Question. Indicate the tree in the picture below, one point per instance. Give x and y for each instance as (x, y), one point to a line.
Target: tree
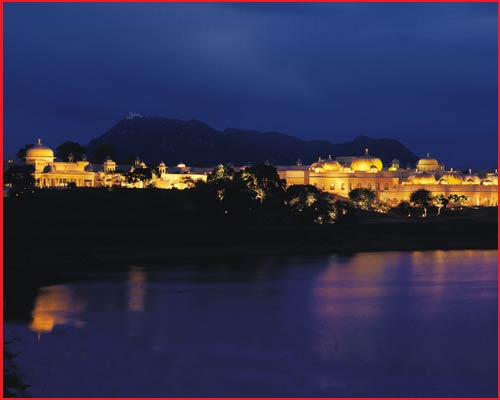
(362, 197)
(220, 173)
(21, 153)
(403, 208)
(310, 204)
(345, 211)
(102, 151)
(260, 181)
(422, 198)
(65, 149)
(458, 198)
(144, 175)
(188, 181)
(441, 201)
(20, 178)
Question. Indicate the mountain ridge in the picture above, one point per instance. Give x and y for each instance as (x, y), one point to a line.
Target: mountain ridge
(194, 142)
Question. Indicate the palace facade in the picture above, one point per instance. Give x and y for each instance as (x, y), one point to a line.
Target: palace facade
(52, 173)
(339, 176)
(392, 184)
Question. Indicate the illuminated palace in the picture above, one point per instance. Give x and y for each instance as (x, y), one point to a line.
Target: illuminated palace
(337, 176)
(52, 173)
(393, 184)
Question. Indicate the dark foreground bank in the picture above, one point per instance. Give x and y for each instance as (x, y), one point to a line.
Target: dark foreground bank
(90, 232)
(94, 229)
(74, 248)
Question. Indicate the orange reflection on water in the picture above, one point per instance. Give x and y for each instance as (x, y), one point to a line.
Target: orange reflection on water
(435, 274)
(345, 290)
(429, 275)
(136, 290)
(55, 305)
(357, 280)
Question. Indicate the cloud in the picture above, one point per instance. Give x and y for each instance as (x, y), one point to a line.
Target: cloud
(314, 70)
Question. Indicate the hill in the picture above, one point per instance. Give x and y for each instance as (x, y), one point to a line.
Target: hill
(195, 143)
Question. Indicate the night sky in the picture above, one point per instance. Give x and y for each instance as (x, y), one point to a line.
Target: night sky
(425, 74)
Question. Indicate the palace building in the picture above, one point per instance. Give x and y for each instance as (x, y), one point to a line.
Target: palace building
(339, 176)
(52, 173)
(392, 184)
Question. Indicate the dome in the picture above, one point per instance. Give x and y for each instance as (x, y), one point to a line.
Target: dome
(40, 152)
(451, 178)
(471, 179)
(394, 165)
(428, 164)
(422, 179)
(317, 166)
(491, 179)
(330, 165)
(366, 162)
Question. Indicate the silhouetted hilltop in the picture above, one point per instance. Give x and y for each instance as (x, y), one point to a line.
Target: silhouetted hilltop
(195, 143)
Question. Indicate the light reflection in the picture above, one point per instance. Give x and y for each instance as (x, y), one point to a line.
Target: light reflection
(55, 305)
(343, 291)
(348, 300)
(429, 276)
(437, 274)
(136, 290)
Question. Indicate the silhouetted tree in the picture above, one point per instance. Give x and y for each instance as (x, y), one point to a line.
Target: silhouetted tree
(67, 148)
(441, 201)
(403, 208)
(102, 151)
(310, 204)
(362, 197)
(21, 153)
(144, 175)
(345, 211)
(458, 198)
(422, 198)
(20, 178)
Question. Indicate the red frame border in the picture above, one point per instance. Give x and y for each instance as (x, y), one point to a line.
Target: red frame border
(236, 1)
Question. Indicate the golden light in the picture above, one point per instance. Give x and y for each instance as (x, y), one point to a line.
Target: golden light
(55, 305)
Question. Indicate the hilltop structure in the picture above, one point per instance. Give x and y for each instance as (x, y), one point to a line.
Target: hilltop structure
(337, 176)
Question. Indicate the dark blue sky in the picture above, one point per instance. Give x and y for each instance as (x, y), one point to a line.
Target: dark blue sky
(425, 74)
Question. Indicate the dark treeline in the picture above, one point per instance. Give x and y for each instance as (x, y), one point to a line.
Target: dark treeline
(233, 213)
(255, 195)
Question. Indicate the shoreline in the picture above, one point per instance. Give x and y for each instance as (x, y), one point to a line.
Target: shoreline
(195, 243)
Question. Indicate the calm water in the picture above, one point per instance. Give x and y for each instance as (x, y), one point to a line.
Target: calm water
(385, 324)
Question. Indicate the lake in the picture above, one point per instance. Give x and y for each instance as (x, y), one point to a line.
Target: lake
(406, 324)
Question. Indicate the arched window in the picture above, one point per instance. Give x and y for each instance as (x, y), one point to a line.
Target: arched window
(332, 186)
(342, 186)
(386, 186)
(358, 185)
(378, 186)
(369, 186)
